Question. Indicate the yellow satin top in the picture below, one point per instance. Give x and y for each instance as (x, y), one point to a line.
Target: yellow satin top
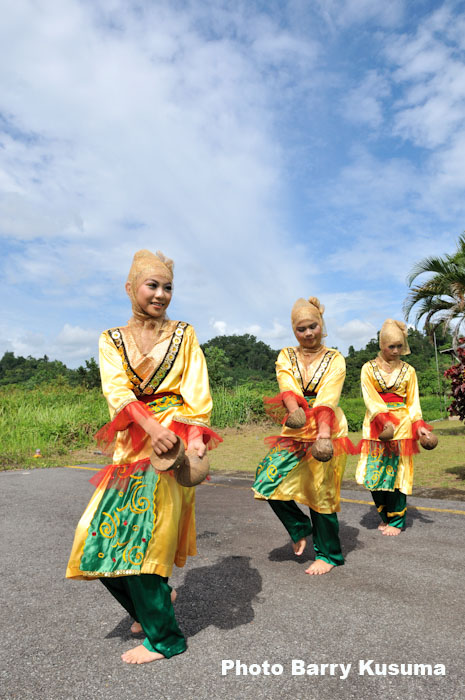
(403, 382)
(325, 377)
(175, 364)
(312, 483)
(127, 373)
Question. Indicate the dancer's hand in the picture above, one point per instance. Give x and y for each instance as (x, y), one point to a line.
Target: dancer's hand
(324, 432)
(198, 445)
(161, 438)
(423, 432)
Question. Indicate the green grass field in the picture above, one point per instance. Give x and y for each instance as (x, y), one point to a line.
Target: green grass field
(61, 422)
(441, 470)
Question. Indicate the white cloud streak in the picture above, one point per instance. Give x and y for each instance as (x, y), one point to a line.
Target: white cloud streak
(237, 140)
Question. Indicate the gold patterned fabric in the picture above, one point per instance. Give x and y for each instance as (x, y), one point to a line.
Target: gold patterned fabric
(183, 372)
(175, 368)
(312, 483)
(402, 382)
(323, 377)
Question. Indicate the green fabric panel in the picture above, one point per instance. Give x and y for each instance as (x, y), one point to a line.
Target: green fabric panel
(277, 464)
(122, 526)
(381, 468)
(326, 541)
(294, 520)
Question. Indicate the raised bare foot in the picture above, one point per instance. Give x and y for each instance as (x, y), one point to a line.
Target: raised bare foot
(136, 627)
(141, 655)
(299, 546)
(319, 567)
(391, 531)
(381, 526)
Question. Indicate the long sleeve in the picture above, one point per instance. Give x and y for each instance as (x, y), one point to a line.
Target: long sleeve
(373, 402)
(115, 382)
(284, 374)
(413, 397)
(195, 388)
(330, 387)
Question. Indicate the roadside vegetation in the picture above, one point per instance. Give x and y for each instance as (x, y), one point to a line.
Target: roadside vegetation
(47, 407)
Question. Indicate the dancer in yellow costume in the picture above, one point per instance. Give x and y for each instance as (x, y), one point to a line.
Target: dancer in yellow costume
(310, 378)
(393, 423)
(140, 521)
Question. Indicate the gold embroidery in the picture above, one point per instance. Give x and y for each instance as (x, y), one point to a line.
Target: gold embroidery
(319, 372)
(399, 512)
(108, 530)
(110, 574)
(161, 372)
(271, 471)
(142, 504)
(138, 556)
(188, 421)
(380, 379)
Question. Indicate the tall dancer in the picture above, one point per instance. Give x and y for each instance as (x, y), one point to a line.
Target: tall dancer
(141, 521)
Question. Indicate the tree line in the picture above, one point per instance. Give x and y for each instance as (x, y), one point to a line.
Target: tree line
(239, 359)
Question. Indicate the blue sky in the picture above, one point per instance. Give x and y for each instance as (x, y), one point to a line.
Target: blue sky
(272, 149)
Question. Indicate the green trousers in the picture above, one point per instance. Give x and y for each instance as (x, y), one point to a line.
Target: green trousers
(391, 506)
(323, 526)
(147, 598)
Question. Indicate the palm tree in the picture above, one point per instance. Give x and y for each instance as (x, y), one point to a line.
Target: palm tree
(440, 300)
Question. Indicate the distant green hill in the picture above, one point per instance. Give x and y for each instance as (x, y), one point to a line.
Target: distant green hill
(235, 360)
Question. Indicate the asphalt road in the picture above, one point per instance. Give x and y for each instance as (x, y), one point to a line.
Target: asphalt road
(243, 602)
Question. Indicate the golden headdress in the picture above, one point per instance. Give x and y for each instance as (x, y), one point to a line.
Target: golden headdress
(393, 332)
(306, 310)
(145, 265)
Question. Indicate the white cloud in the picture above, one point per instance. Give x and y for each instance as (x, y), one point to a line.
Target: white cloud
(430, 73)
(73, 344)
(219, 327)
(126, 130)
(277, 332)
(356, 332)
(349, 12)
(364, 103)
(215, 132)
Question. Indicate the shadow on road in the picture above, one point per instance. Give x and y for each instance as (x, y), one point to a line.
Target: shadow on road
(349, 541)
(370, 520)
(220, 595)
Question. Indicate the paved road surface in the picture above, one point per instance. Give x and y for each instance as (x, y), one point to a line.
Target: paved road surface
(244, 598)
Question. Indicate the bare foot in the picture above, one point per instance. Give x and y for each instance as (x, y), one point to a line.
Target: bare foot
(136, 627)
(299, 546)
(319, 567)
(391, 531)
(381, 526)
(141, 655)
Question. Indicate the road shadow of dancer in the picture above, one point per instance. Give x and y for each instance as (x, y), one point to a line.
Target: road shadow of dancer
(347, 534)
(220, 595)
(370, 520)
